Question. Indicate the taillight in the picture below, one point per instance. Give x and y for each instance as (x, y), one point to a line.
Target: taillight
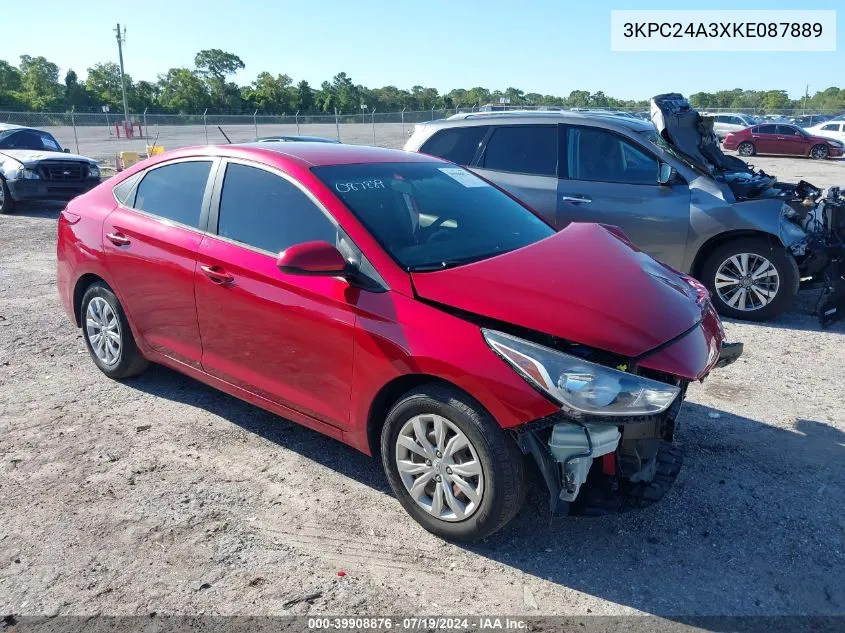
(70, 218)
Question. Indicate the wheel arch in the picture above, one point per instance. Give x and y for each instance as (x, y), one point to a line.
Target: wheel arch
(722, 238)
(82, 284)
(390, 393)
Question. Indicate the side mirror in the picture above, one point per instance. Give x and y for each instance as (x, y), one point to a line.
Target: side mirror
(312, 258)
(666, 174)
(66, 150)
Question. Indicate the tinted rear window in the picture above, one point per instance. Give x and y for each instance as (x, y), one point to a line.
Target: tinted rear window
(174, 192)
(457, 144)
(523, 149)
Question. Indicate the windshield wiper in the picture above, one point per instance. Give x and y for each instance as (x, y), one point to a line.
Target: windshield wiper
(451, 263)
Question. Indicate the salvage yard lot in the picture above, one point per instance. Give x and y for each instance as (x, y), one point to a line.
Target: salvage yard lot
(163, 495)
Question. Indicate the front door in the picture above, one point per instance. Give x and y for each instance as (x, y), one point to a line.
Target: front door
(286, 338)
(151, 245)
(791, 141)
(610, 179)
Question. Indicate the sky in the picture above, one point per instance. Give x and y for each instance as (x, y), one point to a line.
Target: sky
(545, 46)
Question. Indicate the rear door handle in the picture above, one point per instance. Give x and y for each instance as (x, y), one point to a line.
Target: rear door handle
(577, 199)
(118, 239)
(216, 275)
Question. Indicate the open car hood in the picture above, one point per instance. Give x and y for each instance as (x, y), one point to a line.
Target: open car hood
(680, 125)
(586, 284)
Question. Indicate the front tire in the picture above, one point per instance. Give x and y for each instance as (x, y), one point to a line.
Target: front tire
(7, 204)
(107, 335)
(753, 279)
(819, 152)
(746, 148)
(453, 469)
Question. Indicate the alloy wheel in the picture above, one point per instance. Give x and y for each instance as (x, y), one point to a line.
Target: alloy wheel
(746, 149)
(2, 195)
(439, 467)
(103, 329)
(819, 152)
(747, 281)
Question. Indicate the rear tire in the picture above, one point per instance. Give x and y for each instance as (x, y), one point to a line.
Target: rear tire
(107, 335)
(819, 152)
(757, 278)
(746, 148)
(499, 484)
(7, 204)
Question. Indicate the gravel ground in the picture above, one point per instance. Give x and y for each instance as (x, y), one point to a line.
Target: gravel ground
(160, 494)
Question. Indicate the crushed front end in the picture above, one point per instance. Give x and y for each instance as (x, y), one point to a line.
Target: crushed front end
(812, 223)
(610, 447)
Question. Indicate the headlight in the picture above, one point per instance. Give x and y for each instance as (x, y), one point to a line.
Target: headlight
(29, 174)
(93, 171)
(579, 384)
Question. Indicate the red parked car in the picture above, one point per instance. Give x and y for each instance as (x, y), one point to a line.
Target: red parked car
(403, 305)
(781, 138)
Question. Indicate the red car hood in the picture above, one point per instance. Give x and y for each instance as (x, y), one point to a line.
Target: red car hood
(585, 284)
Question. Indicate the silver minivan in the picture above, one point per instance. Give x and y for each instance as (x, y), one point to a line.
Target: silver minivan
(736, 231)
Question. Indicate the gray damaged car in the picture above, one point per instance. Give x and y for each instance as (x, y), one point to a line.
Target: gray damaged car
(34, 167)
(751, 239)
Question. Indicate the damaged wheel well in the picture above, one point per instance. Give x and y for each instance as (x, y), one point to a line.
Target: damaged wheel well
(717, 240)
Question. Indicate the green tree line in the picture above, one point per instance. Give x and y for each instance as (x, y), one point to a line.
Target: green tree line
(34, 85)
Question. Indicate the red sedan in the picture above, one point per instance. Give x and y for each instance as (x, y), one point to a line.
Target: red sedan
(784, 139)
(400, 304)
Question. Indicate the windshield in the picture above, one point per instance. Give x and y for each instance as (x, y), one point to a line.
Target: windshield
(655, 138)
(430, 216)
(28, 139)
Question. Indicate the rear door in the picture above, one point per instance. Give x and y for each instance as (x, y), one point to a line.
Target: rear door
(611, 179)
(791, 141)
(287, 338)
(765, 139)
(151, 242)
(523, 159)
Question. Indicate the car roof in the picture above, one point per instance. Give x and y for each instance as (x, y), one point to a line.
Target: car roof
(12, 126)
(527, 117)
(318, 154)
(295, 138)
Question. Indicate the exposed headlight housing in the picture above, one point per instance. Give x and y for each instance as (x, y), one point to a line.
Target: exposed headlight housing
(28, 174)
(579, 386)
(93, 171)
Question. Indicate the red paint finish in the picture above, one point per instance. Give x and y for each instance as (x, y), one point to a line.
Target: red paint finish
(152, 264)
(319, 350)
(311, 258)
(787, 140)
(286, 338)
(628, 305)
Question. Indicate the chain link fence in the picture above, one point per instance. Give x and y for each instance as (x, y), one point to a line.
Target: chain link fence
(103, 136)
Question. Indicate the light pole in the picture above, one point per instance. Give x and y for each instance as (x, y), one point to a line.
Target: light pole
(121, 38)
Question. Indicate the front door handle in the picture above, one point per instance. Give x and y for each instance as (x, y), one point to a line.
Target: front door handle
(118, 239)
(576, 199)
(217, 275)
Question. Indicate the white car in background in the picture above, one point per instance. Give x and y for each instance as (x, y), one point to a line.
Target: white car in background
(726, 122)
(831, 129)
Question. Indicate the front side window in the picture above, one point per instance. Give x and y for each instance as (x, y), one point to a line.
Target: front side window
(523, 149)
(265, 211)
(832, 127)
(457, 144)
(174, 192)
(598, 155)
(429, 216)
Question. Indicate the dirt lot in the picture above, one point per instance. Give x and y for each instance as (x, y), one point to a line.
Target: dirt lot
(160, 494)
